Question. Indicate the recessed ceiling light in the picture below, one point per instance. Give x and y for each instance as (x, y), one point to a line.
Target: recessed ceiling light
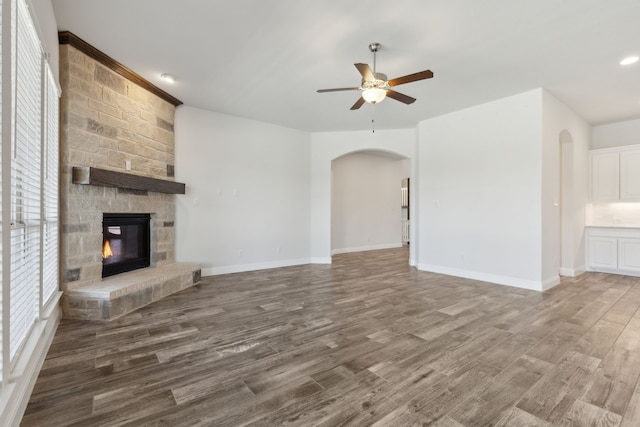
(629, 60)
(168, 77)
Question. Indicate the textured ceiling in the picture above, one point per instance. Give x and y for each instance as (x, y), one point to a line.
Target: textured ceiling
(264, 60)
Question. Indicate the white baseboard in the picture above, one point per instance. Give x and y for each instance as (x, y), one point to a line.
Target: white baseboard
(366, 248)
(614, 271)
(567, 272)
(485, 277)
(15, 396)
(240, 268)
(579, 270)
(550, 282)
(573, 272)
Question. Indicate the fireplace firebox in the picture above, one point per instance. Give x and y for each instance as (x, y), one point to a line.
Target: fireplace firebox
(125, 242)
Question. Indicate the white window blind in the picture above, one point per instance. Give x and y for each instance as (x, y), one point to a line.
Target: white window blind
(25, 181)
(50, 187)
(1, 274)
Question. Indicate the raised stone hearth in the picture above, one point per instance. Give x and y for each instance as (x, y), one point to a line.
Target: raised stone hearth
(118, 295)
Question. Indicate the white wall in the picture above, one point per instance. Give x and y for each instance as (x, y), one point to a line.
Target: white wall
(366, 202)
(328, 146)
(570, 202)
(616, 134)
(479, 192)
(484, 190)
(248, 186)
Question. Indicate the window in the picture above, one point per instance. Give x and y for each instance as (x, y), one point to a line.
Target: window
(50, 188)
(29, 186)
(25, 180)
(2, 138)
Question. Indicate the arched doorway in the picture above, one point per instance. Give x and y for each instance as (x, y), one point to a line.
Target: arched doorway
(566, 204)
(366, 211)
(325, 147)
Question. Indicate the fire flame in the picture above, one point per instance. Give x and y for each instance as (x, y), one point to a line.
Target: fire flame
(106, 250)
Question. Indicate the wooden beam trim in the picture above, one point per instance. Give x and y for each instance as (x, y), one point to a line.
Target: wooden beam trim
(67, 37)
(107, 178)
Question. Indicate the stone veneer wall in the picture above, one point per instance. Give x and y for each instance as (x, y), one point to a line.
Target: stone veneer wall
(105, 121)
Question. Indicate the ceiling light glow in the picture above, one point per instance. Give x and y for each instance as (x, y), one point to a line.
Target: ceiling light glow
(374, 95)
(168, 77)
(629, 60)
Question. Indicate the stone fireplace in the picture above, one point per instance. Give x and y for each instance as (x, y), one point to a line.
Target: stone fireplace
(112, 120)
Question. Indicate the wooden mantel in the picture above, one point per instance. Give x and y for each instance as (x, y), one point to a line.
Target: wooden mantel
(87, 175)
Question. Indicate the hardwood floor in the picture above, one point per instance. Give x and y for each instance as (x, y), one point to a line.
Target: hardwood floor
(365, 341)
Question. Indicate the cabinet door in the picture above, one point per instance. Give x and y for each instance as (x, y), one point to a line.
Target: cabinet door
(629, 254)
(605, 177)
(603, 252)
(630, 175)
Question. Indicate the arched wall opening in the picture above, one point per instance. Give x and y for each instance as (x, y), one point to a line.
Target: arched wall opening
(326, 147)
(366, 211)
(566, 239)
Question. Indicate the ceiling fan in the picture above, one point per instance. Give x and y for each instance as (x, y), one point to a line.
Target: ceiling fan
(375, 86)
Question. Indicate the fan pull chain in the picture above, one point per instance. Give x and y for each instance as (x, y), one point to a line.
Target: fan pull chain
(373, 121)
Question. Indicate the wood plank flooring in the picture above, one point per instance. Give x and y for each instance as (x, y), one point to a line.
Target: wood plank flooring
(367, 340)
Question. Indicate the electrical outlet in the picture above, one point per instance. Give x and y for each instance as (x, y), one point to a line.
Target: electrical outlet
(127, 165)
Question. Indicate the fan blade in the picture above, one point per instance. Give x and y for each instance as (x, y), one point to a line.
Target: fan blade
(400, 97)
(427, 74)
(337, 89)
(358, 103)
(366, 72)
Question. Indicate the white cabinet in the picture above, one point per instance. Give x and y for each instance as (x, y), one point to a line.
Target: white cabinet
(615, 174)
(614, 250)
(605, 176)
(629, 254)
(630, 175)
(603, 252)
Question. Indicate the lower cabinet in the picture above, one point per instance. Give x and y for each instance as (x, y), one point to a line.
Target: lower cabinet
(614, 250)
(629, 255)
(603, 252)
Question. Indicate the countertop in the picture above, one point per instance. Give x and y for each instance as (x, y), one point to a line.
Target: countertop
(614, 226)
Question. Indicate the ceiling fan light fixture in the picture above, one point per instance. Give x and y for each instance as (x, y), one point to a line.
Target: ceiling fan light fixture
(375, 86)
(374, 95)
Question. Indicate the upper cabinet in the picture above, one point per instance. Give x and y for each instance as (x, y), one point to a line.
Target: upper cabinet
(615, 174)
(605, 177)
(630, 175)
